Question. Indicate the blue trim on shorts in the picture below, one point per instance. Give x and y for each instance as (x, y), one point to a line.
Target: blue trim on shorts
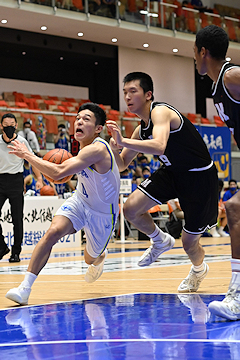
(113, 226)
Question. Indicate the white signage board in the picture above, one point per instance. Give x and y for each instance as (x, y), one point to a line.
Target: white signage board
(125, 186)
(37, 216)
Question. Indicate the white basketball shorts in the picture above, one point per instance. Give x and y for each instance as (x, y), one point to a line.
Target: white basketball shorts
(98, 227)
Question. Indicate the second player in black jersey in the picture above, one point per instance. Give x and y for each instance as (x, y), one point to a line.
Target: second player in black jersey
(185, 148)
(227, 106)
(210, 51)
(188, 174)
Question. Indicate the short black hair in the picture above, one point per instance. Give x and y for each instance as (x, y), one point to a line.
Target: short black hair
(143, 157)
(146, 168)
(232, 180)
(99, 113)
(27, 122)
(145, 81)
(214, 39)
(61, 126)
(8, 115)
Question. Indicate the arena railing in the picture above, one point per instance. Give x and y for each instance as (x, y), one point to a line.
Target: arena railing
(148, 13)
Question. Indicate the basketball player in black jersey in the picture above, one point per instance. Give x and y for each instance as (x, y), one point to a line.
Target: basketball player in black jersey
(210, 51)
(187, 173)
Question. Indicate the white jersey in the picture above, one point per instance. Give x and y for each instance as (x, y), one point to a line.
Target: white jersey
(10, 163)
(100, 191)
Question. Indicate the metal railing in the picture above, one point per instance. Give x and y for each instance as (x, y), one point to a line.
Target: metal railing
(149, 14)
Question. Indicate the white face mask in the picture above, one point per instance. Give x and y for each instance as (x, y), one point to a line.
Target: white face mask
(26, 131)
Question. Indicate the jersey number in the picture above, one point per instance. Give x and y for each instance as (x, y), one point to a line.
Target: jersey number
(84, 191)
(165, 160)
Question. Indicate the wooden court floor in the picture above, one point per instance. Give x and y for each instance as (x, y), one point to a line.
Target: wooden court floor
(157, 278)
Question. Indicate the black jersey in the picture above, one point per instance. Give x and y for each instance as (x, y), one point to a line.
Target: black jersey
(185, 150)
(228, 108)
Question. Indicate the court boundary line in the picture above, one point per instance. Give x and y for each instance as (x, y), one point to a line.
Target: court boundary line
(116, 341)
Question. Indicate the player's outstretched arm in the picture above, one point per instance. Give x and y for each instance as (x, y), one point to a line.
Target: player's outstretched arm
(124, 157)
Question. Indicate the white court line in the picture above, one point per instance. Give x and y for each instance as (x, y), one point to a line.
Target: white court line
(118, 280)
(76, 267)
(119, 341)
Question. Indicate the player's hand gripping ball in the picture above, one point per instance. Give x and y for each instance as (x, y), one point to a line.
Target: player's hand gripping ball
(57, 156)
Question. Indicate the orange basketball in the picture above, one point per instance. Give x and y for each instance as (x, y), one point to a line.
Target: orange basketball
(57, 156)
(47, 190)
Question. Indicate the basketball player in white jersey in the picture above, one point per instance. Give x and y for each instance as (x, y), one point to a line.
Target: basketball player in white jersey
(187, 173)
(94, 206)
(210, 51)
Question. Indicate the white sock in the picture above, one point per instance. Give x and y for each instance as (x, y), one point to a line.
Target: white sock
(29, 279)
(199, 268)
(158, 235)
(221, 228)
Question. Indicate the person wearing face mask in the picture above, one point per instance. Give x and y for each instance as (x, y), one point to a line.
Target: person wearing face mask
(146, 173)
(232, 190)
(154, 163)
(61, 140)
(11, 184)
(31, 137)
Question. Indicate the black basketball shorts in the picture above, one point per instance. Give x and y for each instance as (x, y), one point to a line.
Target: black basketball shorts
(197, 192)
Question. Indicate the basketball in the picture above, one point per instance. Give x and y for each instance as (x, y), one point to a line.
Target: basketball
(57, 156)
(47, 190)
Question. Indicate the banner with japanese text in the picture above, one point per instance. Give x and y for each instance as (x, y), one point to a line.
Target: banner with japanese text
(37, 217)
(218, 141)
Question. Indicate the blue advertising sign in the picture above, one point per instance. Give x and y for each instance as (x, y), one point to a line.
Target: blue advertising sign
(218, 141)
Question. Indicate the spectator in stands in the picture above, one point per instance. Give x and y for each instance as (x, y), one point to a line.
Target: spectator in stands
(30, 184)
(181, 18)
(30, 136)
(11, 185)
(61, 140)
(108, 8)
(142, 161)
(61, 189)
(154, 163)
(146, 173)
(198, 5)
(132, 168)
(125, 174)
(232, 190)
(139, 155)
(27, 169)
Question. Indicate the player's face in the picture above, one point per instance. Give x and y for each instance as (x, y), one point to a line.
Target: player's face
(85, 125)
(134, 96)
(199, 61)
